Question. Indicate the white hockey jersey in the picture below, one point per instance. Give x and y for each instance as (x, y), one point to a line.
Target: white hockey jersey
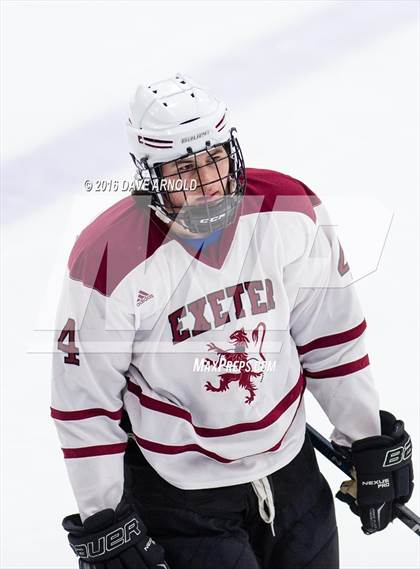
(209, 351)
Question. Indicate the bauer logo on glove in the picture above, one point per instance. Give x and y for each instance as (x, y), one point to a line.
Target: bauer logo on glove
(109, 542)
(399, 454)
(111, 539)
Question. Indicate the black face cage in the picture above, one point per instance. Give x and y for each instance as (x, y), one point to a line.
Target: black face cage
(203, 215)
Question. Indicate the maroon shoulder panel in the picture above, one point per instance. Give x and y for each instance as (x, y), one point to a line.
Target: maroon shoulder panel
(114, 244)
(274, 191)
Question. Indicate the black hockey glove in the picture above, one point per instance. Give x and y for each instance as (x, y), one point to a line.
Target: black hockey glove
(383, 475)
(113, 540)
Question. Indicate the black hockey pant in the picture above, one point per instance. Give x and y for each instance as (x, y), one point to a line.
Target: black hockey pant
(221, 528)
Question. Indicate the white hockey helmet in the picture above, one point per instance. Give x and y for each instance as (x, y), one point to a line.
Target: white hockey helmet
(170, 120)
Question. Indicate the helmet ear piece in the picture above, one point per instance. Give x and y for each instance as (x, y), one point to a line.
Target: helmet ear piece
(158, 170)
(233, 151)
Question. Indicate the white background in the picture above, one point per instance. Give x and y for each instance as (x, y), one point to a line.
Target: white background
(324, 91)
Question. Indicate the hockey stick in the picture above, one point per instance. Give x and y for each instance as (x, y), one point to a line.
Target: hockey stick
(324, 446)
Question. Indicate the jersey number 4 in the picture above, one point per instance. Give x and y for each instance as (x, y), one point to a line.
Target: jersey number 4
(70, 348)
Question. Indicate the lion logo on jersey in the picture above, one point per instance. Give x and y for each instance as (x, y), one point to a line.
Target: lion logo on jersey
(236, 358)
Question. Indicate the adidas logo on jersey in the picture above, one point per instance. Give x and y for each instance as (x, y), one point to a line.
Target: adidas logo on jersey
(142, 297)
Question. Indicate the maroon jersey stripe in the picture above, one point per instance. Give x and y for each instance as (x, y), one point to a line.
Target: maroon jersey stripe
(85, 414)
(338, 371)
(278, 445)
(177, 449)
(333, 339)
(269, 419)
(99, 450)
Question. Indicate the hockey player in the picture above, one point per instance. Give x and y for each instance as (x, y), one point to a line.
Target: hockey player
(194, 314)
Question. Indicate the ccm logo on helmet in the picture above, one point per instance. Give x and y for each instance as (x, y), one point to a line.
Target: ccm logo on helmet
(397, 455)
(108, 542)
(212, 219)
